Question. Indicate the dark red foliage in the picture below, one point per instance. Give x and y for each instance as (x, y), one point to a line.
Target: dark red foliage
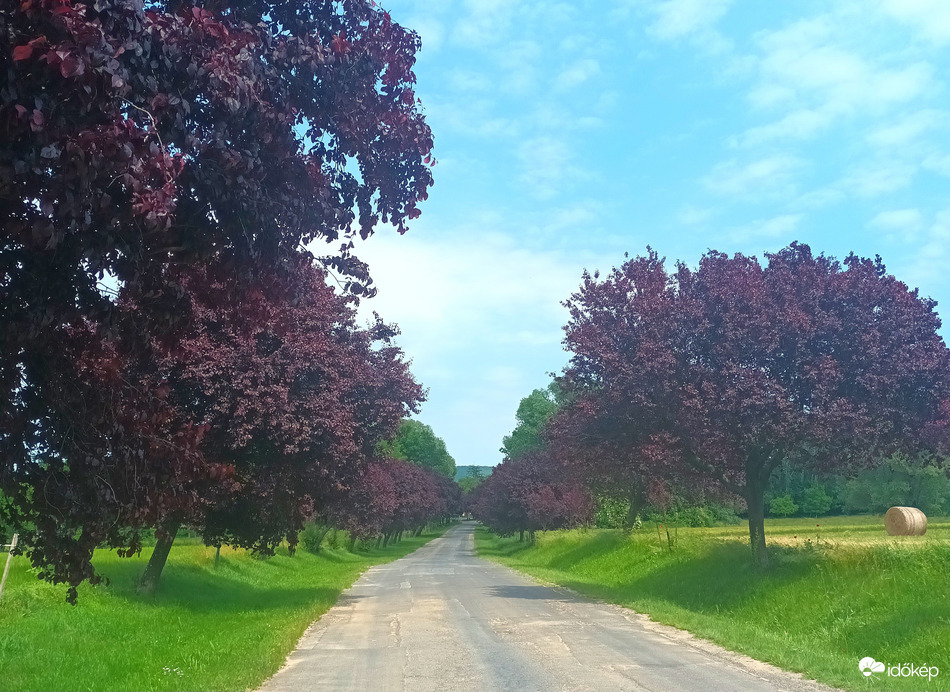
(394, 495)
(141, 139)
(729, 369)
(530, 493)
(260, 414)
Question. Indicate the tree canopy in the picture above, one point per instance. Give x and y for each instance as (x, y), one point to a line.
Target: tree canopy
(167, 351)
(418, 444)
(722, 372)
(533, 413)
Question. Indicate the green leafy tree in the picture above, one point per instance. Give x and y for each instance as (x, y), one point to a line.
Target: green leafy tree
(534, 411)
(916, 482)
(417, 443)
(816, 500)
(469, 483)
(782, 506)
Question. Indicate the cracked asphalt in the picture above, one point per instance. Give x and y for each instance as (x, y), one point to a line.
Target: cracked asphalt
(442, 619)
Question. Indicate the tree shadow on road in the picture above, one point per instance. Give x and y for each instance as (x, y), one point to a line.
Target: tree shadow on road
(534, 593)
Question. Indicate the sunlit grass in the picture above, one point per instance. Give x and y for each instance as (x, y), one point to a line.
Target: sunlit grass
(205, 629)
(839, 589)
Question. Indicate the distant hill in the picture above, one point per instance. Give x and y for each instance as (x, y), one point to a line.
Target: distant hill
(465, 471)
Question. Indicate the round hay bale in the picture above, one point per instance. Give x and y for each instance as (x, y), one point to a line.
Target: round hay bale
(905, 521)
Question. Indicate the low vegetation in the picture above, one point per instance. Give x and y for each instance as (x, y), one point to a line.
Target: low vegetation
(838, 590)
(207, 628)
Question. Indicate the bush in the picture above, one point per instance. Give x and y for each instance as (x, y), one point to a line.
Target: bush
(611, 513)
(311, 538)
(724, 514)
(692, 516)
(782, 506)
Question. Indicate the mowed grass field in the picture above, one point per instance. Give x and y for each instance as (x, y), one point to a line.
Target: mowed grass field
(205, 629)
(839, 590)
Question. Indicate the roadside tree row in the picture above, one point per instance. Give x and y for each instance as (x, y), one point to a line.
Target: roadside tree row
(171, 351)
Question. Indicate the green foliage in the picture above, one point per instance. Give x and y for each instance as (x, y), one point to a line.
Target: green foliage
(815, 500)
(477, 471)
(816, 611)
(690, 515)
(783, 506)
(921, 482)
(312, 536)
(469, 483)
(534, 411)
(417, 443)
(223, 629)
(611, 512)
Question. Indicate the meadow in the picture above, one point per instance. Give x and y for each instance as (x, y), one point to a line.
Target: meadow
(224, 628)
(838, 590)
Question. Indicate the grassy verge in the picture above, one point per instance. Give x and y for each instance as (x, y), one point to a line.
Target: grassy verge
(206, 629)
(839, 590)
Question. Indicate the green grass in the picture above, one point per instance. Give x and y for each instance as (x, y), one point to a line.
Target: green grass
(848, 592)
(205, 629)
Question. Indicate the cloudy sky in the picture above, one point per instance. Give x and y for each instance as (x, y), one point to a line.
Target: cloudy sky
(570, 133)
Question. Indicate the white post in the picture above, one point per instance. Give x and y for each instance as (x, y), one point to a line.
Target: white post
(6, 568)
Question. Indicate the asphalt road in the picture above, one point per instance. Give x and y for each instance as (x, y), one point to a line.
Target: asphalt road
(442, 619)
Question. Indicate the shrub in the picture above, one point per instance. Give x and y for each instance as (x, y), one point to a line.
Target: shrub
(783, 506)
(724, 514)
(611, 513)
(311, 538)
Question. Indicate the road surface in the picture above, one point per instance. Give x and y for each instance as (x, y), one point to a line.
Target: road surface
(441, 619)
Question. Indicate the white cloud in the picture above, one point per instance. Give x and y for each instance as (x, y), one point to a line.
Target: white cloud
(765, 175)
(678, 19)
(813, 71)
(474, 116)
(902, 132)
(576, 74)
(449, 293)
(879, 178)
(931, 18)
(938, 163)
(898, 224)
(801, 124)
(519, 63)
(693, 216)
(469, 81)
(779, 227)
(484, 22)
(546, 163)
(481, 318)
(930, 264)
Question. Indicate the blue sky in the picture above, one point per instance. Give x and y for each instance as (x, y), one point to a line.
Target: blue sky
(570, 133)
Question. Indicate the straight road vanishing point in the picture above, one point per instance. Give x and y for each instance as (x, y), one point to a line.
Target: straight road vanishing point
(442, 619)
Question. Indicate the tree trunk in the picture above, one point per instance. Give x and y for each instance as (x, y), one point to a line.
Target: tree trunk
(352, 543)
(755, 500)
(164, 537)
(531, 536)
(521, 536)
(637, 502)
